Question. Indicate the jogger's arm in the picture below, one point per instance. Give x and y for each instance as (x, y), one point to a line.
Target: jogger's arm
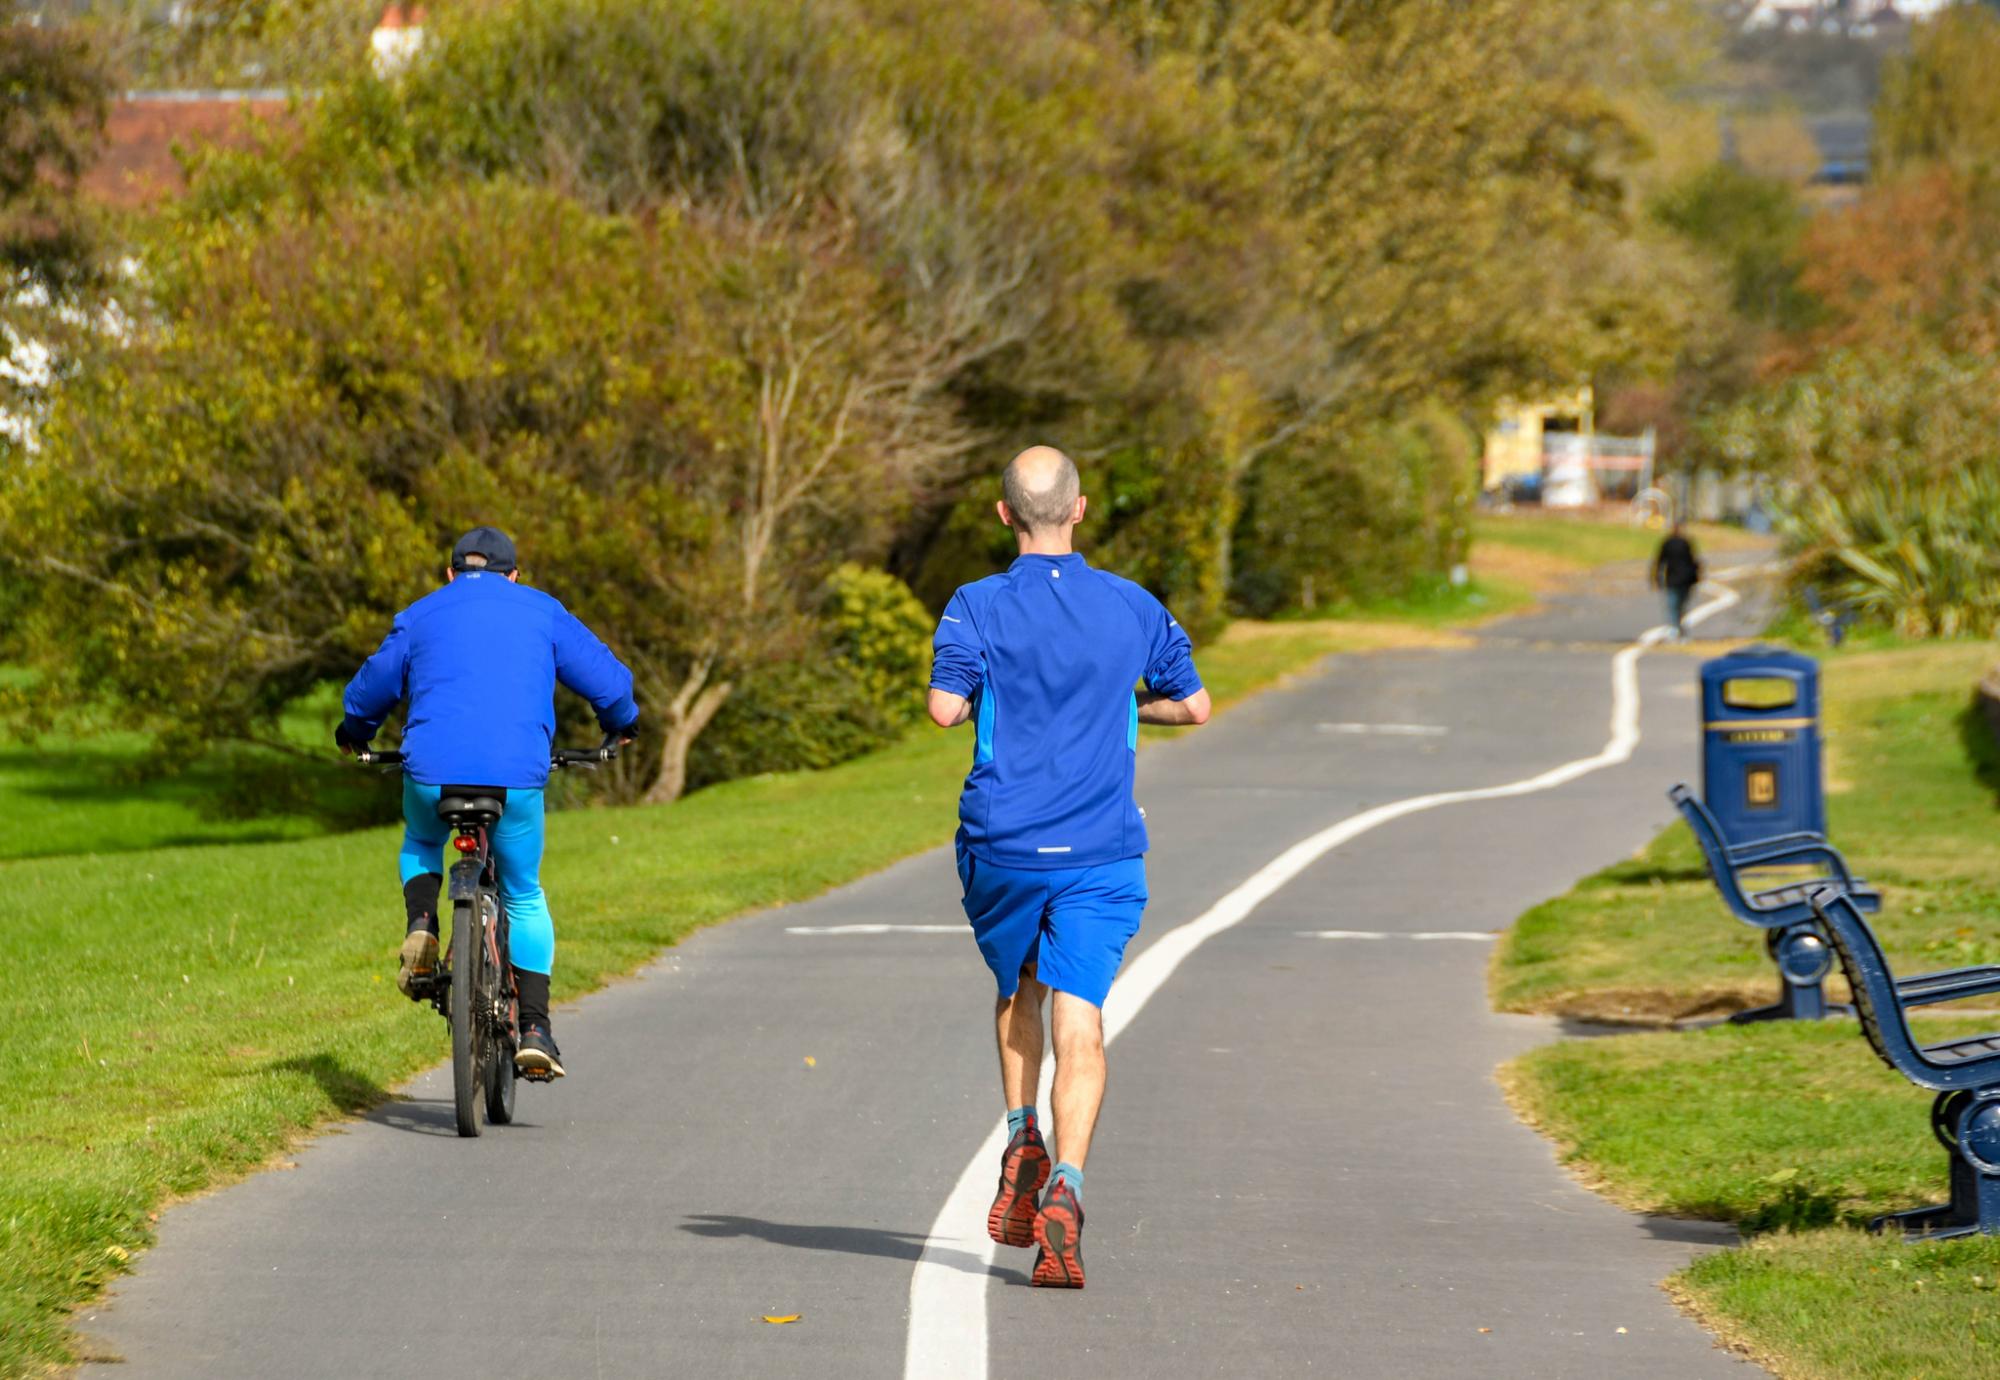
(949, 710)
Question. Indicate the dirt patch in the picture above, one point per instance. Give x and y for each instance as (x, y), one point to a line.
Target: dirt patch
(1537, 571)
(1657, 1008)
(1348, 634)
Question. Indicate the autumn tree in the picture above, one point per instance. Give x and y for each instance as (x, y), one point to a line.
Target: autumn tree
(51, 120)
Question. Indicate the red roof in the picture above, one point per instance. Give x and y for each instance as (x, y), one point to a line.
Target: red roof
(138, 165)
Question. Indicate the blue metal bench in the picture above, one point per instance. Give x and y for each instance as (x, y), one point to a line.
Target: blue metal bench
(1965, 1073)
(1833, 619)
(1793, 936)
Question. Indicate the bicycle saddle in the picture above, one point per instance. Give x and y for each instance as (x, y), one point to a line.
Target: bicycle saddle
(471, 805)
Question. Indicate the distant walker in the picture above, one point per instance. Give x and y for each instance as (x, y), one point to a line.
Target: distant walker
(1677, 571)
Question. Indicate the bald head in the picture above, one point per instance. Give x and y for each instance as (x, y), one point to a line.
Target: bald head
(1040, 487)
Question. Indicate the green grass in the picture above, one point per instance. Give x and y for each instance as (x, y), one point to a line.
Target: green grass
(1858, 1307)
(1912, 803)
(1798, 1125)
(1799, 1133)
(184, 1011)
(1794, 1132)
(102, 793)
(1433, 603)
(1586, 541)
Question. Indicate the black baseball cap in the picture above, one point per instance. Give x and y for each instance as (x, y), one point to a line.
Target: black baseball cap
(490, 542)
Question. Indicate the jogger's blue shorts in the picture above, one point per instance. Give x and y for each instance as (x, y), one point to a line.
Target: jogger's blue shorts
(1072, 925)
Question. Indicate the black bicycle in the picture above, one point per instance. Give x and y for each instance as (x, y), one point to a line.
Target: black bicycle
(472, 986)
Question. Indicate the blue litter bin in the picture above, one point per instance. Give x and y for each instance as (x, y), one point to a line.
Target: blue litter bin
(1760, 759)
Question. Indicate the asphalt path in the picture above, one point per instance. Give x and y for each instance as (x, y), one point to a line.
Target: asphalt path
(1304, 1165)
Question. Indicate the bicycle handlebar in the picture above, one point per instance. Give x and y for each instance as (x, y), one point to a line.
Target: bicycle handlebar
(558, 759)
(586, 757)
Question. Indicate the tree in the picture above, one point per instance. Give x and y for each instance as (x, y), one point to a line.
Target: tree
(1065, 234)
(53, 94)
(235, 500)
(1939, 103)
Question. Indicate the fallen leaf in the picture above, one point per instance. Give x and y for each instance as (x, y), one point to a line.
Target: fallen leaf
(1621, 1331)
(811, 1062)
(781, 1317)
(1485, 1329)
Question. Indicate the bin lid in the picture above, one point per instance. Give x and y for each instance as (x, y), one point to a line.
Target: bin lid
(1759, 662)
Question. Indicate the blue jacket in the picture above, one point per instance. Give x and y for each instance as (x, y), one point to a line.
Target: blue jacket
(1050, 652)
(478, 661)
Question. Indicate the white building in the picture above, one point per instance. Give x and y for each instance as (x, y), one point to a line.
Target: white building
(1798, 16)
(398, 36)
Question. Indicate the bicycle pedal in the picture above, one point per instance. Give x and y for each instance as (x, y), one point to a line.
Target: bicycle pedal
(535, 1075)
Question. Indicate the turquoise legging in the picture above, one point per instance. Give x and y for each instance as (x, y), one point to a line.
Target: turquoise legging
(517, 855)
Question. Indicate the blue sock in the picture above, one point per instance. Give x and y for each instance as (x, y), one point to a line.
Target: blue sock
(1066, 1170)
(1019, 1117)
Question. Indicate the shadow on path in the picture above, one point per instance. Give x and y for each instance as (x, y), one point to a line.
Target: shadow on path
(890, 1245)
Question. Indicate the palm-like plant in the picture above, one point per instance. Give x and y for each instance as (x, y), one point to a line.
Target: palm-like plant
(1918, 554)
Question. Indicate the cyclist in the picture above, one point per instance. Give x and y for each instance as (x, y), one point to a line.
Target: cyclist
(478, 661)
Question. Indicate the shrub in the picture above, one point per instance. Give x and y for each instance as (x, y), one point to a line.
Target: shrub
(855, 686)
(1365, 517)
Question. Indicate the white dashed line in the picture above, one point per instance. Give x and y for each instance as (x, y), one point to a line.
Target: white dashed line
(1478, 936)
(1387, 730)
(876, 929)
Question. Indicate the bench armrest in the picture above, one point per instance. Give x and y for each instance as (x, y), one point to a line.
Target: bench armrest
(1758, 845)
(1758, 855)
(1928, 989)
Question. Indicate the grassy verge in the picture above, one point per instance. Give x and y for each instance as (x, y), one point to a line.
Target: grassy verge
(1794, 1132)
(1797, 1134)
(1912, 778)
(1581, 542)
(189, 1009)
(68, 795)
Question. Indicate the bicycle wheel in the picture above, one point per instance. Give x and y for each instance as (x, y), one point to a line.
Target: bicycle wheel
(468, 1033)
(500, 1078)
(500, 1082)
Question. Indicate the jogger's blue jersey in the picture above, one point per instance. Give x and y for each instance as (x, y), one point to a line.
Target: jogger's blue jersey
(1050, 652)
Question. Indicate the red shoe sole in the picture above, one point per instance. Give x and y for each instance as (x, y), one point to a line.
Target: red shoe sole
(1059, 1234)
(1022, 1174)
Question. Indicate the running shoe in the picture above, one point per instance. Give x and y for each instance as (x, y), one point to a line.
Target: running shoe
(1059, 1232)
(1024, 1168)
(418, 962)
(538, 1059)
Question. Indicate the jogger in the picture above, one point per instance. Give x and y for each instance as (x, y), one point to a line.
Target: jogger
(1051, 845)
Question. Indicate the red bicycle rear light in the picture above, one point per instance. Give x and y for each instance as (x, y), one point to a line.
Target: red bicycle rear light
(466, 843)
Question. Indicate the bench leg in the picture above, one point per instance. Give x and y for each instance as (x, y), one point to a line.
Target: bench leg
(1804, 958)
(1974, 1208)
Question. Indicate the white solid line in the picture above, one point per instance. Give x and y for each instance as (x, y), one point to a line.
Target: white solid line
(1480, 935)
(875, 929)
(947, 1338)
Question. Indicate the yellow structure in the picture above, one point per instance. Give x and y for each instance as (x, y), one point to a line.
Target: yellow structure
(1516, 443)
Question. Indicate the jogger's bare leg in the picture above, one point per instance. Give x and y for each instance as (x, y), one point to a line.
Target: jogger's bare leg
(1079, 1090)
(1017, 1022)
